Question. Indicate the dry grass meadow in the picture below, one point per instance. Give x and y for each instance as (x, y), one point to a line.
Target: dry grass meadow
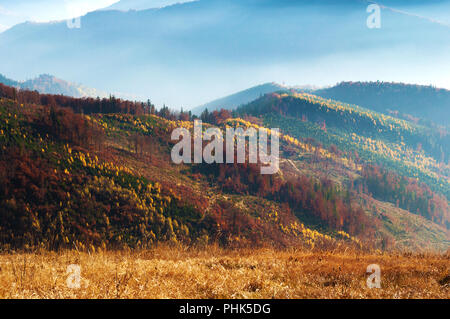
(166, 272)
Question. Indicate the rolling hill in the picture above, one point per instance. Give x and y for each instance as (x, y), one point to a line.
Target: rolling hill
(89, 172)
(424, 105)
(414, 150)
(422, 102)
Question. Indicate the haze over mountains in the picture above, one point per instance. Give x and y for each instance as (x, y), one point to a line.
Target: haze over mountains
(125, 5)
(424, 102)
(411, 102)
(48, 84)
(19, 11)
(124, 184)
(186, 54)
(231, 102)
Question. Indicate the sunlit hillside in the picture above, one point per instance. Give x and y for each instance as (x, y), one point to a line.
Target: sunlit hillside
(105, 179)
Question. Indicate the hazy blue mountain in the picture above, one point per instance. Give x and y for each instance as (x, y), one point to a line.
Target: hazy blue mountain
(425, 102)
(13, 12)
(126, 5)
(51, 85)
(185, 54)
(231, 102)
(4, 80)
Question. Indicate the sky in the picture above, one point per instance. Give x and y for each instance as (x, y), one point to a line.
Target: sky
(13, 12)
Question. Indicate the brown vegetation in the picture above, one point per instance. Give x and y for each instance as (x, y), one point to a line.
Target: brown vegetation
(210, 272)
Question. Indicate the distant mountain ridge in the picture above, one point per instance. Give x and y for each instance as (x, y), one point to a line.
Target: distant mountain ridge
(186, 54)
(235, 100)
(126, 5)
(416, 103)
(49, 84)
(424, 102)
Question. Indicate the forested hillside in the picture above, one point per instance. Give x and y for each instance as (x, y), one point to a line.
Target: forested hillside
(412, 150)
(97, 172)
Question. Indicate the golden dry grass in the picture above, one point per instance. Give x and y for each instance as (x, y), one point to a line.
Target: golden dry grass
(214, 273)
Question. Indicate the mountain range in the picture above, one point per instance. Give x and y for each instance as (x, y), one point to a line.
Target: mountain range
(418, 101)
(46, 83)
(126, 5)
(363, 165)
(412, 102)
(186, 54)
(98, 173)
